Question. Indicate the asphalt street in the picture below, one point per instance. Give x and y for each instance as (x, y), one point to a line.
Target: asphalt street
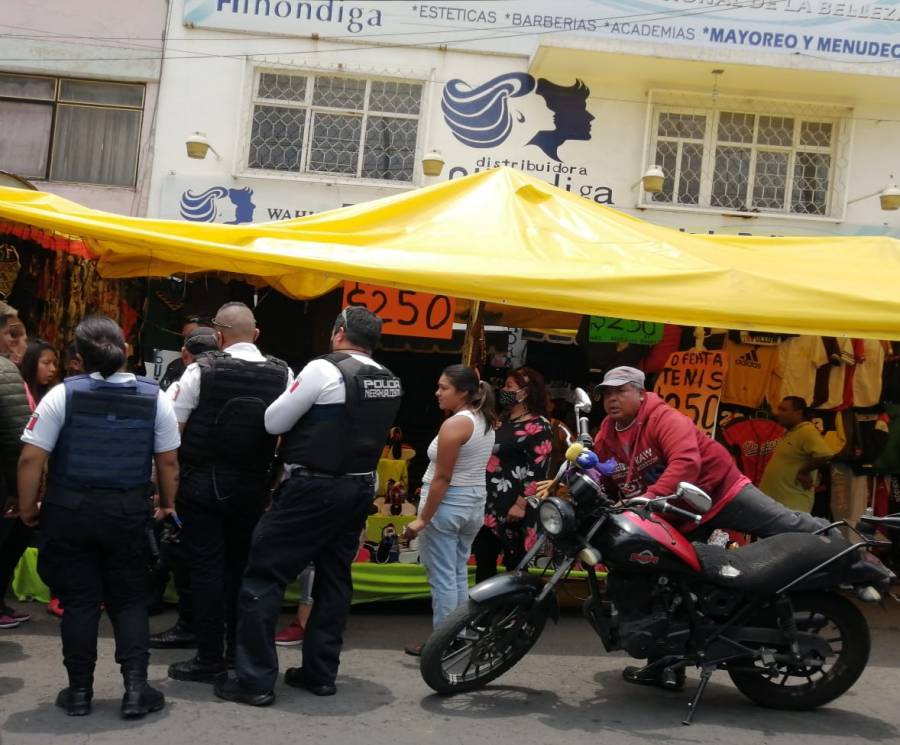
(566, 691)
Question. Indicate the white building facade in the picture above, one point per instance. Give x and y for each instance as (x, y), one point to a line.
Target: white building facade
(768, 117)
(78, 93)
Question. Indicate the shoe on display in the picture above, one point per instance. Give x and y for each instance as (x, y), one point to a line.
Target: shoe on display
(229, 688)
(290, 636)
(295, 677)
(177, 637)
(196, 670)
(20, 616)
(54, 608)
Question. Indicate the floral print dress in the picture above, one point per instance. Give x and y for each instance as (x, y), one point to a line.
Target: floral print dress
(521, 451)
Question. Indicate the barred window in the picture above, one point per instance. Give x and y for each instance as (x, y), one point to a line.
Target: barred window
(355, 127)
(745, 161)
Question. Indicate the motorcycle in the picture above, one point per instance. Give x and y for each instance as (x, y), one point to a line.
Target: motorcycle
(770, 613)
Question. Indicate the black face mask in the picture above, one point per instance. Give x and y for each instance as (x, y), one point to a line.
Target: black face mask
(507, 399)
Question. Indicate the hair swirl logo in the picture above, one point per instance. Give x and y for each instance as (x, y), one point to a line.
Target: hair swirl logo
(480, 116)
(218, 204)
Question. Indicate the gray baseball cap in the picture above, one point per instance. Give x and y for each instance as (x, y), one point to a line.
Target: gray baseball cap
(201, 339)
(622, 375)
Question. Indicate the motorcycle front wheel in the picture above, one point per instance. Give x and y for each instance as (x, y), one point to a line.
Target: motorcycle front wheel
(840, 624)
(479, 642)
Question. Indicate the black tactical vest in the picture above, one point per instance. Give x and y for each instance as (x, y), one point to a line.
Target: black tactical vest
(348, 437)
(105, 447)
(227, 429)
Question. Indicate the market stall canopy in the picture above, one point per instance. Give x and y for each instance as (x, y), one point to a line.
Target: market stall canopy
(505, 237)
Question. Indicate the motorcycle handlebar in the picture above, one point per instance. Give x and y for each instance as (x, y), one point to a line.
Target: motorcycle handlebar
(665, 507)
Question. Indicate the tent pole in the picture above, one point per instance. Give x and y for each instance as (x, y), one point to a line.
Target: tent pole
(473, 344)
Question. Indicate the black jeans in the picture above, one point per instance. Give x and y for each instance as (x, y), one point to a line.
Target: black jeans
(752, 511)
(487, 547)
(317, 520)
(91, 555)
(218, 518)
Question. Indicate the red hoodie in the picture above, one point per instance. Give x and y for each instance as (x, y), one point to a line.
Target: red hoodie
(667, 448)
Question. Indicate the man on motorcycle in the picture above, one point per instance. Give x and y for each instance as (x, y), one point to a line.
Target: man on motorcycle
(656, 447)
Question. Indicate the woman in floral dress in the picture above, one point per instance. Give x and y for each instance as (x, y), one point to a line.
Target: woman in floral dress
(519, 461)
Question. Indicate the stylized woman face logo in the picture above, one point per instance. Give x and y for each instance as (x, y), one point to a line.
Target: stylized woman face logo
(481, 116)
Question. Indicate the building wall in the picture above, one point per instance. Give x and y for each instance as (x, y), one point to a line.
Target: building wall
(97, 40)
(209, 89)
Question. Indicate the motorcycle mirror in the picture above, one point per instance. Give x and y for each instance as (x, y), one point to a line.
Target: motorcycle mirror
(694, 496)
(582, 401)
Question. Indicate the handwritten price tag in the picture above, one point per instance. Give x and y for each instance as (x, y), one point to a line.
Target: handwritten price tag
(404, 312)
(618, 329)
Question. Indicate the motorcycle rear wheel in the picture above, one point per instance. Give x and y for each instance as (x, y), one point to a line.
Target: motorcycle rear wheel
(798, 688)
(479, 642)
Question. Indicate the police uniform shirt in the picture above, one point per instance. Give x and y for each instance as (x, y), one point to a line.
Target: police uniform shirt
(320, 382)
(49, 417)
(185, 394)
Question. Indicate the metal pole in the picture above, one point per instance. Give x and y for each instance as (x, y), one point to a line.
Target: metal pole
(473, 344)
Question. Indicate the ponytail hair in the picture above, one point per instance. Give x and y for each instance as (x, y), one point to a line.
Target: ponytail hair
(101, 344)
(480, 393)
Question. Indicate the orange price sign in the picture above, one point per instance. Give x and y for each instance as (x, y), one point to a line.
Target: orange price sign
(405, 312)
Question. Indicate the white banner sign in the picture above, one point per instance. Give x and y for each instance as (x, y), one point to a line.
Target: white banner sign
(850, 31)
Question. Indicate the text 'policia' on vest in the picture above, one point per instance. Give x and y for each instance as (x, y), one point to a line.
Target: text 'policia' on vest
(227, 429)
(106, 444)
(347, 438)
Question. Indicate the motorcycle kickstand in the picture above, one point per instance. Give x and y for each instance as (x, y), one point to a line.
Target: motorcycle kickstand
(705, 675)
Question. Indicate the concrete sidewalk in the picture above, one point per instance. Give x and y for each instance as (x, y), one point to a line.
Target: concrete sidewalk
(566, 691)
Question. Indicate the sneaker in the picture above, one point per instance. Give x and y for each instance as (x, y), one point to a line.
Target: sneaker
(13, 613)
(8, 622)
(54, 608)
(291, 636)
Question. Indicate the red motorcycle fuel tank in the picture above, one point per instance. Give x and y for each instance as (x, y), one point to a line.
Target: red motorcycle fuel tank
(632, 541)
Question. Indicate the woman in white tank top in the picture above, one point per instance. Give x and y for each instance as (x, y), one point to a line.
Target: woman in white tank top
(451, 509)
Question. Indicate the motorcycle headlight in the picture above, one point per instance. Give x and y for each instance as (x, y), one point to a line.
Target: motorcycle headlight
(556, 516)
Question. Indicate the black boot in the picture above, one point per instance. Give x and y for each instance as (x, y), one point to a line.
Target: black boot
(139, 699)
(76, 698)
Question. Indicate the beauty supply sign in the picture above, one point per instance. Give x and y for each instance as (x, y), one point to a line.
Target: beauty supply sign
(845, 31)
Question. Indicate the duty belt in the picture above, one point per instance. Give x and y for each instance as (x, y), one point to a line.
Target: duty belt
(296, 471)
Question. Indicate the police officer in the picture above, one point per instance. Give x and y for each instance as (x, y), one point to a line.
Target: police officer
(226, 456)
(333, 422)
(101, 432)
(197, 340)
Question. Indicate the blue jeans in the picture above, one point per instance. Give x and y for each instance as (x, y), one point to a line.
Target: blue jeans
(445, 545)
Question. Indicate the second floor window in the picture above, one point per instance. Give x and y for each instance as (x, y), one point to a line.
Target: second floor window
(746, 161)
(351, 127)
(65, 129)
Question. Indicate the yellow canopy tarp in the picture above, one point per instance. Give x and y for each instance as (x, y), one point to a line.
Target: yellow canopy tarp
(505, 237)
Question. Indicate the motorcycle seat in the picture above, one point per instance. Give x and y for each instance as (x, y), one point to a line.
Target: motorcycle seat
(767, 565)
